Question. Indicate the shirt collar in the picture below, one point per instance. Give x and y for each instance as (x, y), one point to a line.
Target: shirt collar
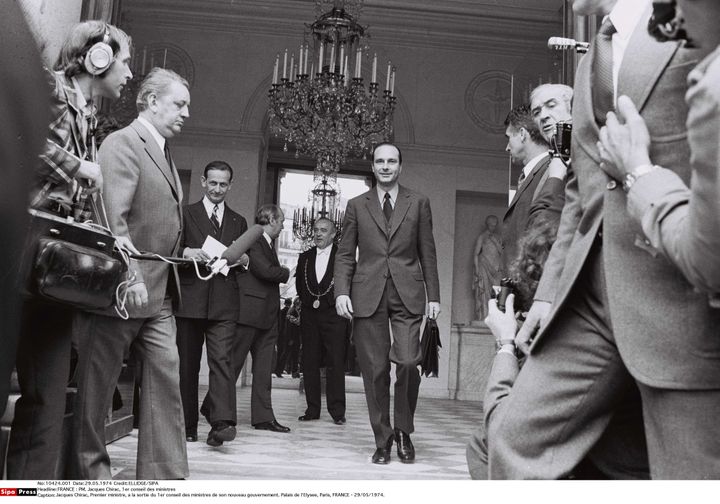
(325, 250)
(209, 205)
(154, 132)
(82, 104)
(393, 194)
(625, 16)
(267, 238)
(530, 165)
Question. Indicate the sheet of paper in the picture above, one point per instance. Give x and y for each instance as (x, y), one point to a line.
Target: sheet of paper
(214, 248)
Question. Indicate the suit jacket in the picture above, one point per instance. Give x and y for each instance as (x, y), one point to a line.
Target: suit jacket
(306, 269)
(260, 287)
(142, 196)
(217, 298)
(516, 218)
(664, 330)
(683, 222)
(405, 252)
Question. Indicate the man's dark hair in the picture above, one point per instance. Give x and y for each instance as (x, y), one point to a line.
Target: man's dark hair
(521, 117)
(392, 145)
(533, 250)
(267, 212)
(218, 165)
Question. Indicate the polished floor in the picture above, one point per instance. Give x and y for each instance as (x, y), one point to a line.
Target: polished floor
(320, 449)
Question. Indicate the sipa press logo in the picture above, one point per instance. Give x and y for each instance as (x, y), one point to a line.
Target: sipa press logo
(18, 492)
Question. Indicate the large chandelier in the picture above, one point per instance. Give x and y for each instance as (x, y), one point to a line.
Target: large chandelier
(324, 198)
(327, 112)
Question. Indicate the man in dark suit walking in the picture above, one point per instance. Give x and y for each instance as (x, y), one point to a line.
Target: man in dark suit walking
(388, 286)
(321, 326)
(259, 289)
(210, 309)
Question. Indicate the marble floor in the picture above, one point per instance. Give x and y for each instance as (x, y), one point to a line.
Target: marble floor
(320, 449)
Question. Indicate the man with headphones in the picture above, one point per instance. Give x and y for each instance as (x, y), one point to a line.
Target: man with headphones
(93, 62)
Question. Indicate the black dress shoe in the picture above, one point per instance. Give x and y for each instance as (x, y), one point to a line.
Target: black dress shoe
(273, 426)
(307, 418)
(221, 432)
(191, 435)
(405, 448)
(339, 421)
(382, 455)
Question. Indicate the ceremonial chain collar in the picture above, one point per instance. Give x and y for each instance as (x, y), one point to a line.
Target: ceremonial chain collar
(316, 303)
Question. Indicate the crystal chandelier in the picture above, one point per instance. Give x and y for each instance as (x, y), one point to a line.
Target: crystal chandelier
(324, 197)
(328, 113)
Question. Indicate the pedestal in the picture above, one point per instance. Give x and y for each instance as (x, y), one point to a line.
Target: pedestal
(472, 350)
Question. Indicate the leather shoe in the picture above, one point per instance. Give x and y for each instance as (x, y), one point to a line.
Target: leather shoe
(339, 421)
(273, 426)
(191, 435)
(405, 448)
(220, 432)
(382, 454)
(307, 418)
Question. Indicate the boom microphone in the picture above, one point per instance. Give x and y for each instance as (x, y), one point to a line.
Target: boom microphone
(563, 44)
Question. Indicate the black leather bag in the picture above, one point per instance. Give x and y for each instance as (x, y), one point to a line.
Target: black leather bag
(70, 263)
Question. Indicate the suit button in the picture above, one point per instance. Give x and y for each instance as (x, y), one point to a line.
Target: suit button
(611, 185)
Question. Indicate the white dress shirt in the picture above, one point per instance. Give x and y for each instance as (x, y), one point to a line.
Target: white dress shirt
(154, 132)
(392, 192)
(322, 257)
(624, 16)
(209, 205)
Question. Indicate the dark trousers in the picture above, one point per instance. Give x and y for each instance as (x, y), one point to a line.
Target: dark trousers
(324, 329)
(287, 359)
(260, 343)
(219, 338)
(376, 349)
(574, 383)
(43, 364)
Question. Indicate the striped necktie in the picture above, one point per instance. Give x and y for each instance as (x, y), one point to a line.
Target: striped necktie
(215, 221)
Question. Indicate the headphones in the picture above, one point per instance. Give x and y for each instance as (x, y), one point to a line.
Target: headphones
(100, 56)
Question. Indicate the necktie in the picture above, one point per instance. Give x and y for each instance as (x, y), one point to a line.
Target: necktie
(603, 89)
(215, 221)
(168, 158)
(387, 207)
(521, 179)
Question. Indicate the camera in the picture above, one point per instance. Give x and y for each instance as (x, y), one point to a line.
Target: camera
(560, 142)
(506, 288)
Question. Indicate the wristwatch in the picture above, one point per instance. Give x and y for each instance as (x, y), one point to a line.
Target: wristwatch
(502, 342)
(636, 173)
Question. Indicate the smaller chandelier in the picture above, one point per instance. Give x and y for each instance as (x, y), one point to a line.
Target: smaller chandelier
(328, 113)
(324, 196)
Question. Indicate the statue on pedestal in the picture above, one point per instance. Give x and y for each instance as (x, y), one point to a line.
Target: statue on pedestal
(487, 262)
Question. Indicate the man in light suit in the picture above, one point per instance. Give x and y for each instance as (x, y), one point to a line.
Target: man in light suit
(613, 312)
(142, 195)
(210, 308)
(259, 290)
(388, 286)
(681, 221)
(526, 145)
(320, 325)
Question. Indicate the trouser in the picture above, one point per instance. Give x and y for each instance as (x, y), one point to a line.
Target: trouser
(103, 341)
(219, 337)
(376, 349)
(323, 328)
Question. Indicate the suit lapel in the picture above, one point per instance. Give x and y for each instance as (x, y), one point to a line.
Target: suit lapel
(157, 157)
(646, 60)
(585, 132)
(402, 205)
(268, 251)
(528, 180)
(373, 205)
(199, 216)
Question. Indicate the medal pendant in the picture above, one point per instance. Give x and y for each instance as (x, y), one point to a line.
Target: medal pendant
(316, 304)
